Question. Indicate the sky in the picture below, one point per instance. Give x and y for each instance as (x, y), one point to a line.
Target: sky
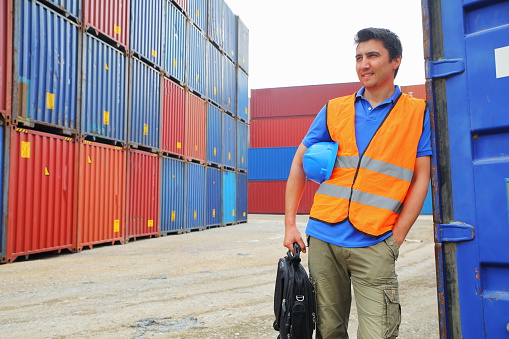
(310, 42)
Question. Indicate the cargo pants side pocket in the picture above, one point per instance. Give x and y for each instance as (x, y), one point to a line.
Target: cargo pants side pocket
(392, 313)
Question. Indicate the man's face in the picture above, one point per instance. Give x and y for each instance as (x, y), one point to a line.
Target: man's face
(373, 66)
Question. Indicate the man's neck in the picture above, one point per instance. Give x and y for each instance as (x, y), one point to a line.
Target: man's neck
(376, 96)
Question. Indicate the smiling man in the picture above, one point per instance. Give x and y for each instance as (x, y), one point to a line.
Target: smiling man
(363, 212)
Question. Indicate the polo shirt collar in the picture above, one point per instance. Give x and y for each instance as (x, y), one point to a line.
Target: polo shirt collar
(392, 99)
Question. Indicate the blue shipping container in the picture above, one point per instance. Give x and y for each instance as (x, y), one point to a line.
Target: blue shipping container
(104, 84)
(216, 22)
(213, 203)
(466, 46)
(230, 33)
(176, 40)
(242, 95)
(229, 140)
(270, 164)
(71, 7)
(172, 195)
(243, 46)
(241, 197)
(197, 65)
(229, 86)
(195, 196)
(228, 197)
(46, 48)
(427, 207)
(242, 145)
(214, 132)
(214, 74)
(145, 105)
(146, 30)
(198, 13)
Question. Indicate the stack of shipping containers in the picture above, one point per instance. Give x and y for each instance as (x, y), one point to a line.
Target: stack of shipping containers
(120, 119)
(280, 118)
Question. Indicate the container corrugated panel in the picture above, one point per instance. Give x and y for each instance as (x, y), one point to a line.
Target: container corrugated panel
(173, 118)
(213, 202)
(197, 66)
(143, 197)
(195, 196)
(417, 91)
(242, 145)
(104, 84)
(268, 197)
(228, 197)
(145, 105)
(108, 18)
(42, 193)
(182, 4)
(101, 194)
(300, 100)
(2, 185)
(172, 196)
(196, 128)
(279, 132)
(215, 30)
(146, 25)
(279, 158)
(241, 197)
(46, 48)
(229, 140)
(230, 33)
(214, 74)
(229, 86)
(5, 58)
(198, 13)
(242, 95)
(214, 132)
(176, 40)
(69, 7)
(427, 207)
(243, 46)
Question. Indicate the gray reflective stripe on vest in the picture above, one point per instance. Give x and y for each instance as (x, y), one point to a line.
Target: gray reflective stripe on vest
(360, 197)
(375, 166)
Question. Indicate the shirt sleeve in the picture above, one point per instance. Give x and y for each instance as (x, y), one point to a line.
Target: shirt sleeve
(424, 147)
(318, 130)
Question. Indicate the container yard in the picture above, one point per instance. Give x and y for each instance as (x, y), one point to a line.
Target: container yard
(119, 122)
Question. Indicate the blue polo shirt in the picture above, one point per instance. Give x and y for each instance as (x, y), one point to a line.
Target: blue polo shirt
(367, 121)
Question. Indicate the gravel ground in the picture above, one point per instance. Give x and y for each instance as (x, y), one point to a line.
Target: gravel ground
(217, 283)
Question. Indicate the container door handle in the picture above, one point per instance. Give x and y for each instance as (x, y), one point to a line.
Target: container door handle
(454, 232)
(444, 68)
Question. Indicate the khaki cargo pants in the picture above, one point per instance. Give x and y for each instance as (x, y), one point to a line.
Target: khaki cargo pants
(371, 272)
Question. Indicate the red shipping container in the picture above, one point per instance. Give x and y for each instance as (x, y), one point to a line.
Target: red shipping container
(173, 118)
(196, 128)
(110, 18)
(42, 195)
(417, 91)
(268, 197)
(5, 57)
(143, 194)
(101, 194)
(183, 4)
(279, 132)
(292, 101)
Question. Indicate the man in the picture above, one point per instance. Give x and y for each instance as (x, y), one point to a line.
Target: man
(362, 214)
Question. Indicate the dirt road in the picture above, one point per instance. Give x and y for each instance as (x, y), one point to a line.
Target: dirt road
(212, 284)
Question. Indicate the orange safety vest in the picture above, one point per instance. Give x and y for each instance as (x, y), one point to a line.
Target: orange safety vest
(369, 189)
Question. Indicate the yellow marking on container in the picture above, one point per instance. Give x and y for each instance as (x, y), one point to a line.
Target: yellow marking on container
(175, 62)
(21, 130)
(229, 156)
(215, 90)
(213, 213)
(46, 171)
(106, 117)
(68, 139)
(118, 148)
(196, 148)
(117, 29)
(244, 214)
(195, 215)
(25, 149)
(116, 226)
(89, 160)
(173, 176)
(233, 213)
(245, 110)
(242, 159)
(172, 215)
(154, 53)
(145, 129)
(197, 78)
(179, 145)
(50, 100)
(197, 13)
(232, 53)
(106, 67)
(87, 142)
(150, 223)
(215, 151)
(155, 155)
(229, 101)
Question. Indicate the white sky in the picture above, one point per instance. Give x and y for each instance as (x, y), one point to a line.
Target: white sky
(310, 42)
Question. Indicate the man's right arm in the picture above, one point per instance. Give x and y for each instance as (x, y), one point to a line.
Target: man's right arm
(294, 189)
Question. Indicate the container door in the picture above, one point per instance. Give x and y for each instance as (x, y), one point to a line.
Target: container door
(467, 52)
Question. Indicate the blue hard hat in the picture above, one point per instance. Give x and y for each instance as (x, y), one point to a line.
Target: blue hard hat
(319, 159)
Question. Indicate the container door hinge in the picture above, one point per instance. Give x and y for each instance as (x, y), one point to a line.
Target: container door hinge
(454, 232)
(444, 68)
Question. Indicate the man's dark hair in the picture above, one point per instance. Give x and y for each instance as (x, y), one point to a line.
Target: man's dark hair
(389, 39)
